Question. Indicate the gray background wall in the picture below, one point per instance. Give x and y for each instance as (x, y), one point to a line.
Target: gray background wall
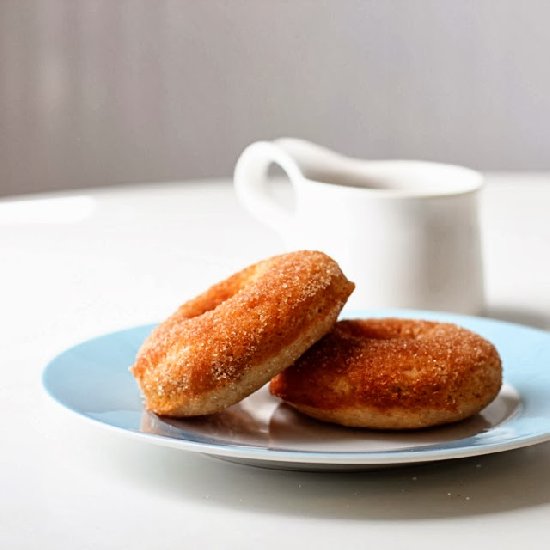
(94, 92)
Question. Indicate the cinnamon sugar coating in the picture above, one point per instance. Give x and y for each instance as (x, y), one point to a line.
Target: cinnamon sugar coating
(228, 342)
(393, 374)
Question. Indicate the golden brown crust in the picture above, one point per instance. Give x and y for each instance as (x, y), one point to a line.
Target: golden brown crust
(393, 374)
(229, 341)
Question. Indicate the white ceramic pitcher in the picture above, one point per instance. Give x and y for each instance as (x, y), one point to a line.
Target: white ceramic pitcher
(406, 232)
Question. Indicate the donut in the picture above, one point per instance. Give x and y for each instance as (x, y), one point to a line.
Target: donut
(393, 374)
(226, 343)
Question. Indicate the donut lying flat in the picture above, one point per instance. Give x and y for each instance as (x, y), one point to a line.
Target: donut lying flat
(228, 342)
(393, 374)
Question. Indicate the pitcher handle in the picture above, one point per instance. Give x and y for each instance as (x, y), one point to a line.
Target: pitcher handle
(251, 182)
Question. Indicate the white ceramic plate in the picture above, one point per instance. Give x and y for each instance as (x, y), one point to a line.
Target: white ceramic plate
(92, 380)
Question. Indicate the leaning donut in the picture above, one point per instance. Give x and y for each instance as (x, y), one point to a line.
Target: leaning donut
(393, 374)
(228, 342)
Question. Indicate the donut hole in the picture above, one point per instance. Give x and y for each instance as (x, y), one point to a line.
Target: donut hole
(215, 296)
(391, 329)
(210, 303)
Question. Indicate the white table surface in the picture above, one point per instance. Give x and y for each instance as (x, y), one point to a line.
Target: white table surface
(78, 264)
